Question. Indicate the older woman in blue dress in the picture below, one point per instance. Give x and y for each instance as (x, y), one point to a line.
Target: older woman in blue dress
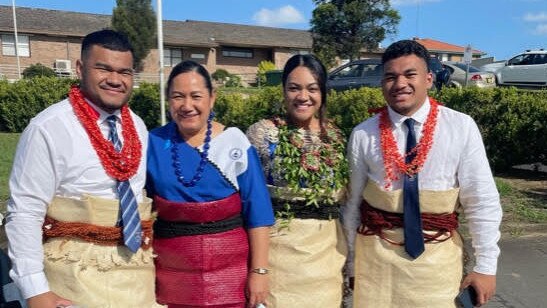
(214, 210)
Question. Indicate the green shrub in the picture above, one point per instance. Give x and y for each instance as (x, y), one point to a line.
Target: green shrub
(228, 80)
(145, 102)
(22, 100)
(263, 67)
(233, 81)
(38, 70)
(349, 108)
(512, 122)
(220, 75)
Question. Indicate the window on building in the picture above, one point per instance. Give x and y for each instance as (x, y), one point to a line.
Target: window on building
(237, 52)
(197, 56)
(299, 52)
(172, 56)
(8, 45)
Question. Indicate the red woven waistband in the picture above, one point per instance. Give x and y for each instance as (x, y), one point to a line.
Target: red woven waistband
(375, 221)
(198, 212)
(107, 236)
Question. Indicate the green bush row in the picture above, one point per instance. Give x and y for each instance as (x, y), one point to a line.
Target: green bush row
(513, 122)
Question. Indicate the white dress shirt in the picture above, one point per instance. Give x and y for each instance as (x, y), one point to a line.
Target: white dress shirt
(54, 157)
(456, 159)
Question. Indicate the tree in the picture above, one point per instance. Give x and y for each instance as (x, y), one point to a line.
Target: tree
(137, 20)
(343, 27)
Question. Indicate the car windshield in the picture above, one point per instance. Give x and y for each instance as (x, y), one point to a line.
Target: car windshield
(472, 69)
(435, 65)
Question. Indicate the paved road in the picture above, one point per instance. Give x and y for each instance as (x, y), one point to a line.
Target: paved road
(522, 273)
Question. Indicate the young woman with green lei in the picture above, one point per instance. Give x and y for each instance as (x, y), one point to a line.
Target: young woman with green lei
(302, 154)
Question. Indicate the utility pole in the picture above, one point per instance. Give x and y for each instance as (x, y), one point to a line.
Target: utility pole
(16, 40)
(159, 21)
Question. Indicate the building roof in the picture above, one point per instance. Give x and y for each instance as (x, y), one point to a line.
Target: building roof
(442, 47)
(51, 22)
(184, 33)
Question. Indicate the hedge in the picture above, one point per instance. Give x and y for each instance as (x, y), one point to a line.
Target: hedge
(512, 122)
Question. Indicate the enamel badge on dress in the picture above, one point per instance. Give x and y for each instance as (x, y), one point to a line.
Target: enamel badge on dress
(236, 153)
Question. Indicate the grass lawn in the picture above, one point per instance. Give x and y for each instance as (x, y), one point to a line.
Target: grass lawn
(8, 142)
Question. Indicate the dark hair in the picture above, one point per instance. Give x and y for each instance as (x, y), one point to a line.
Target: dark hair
(406, 48)
(186, 67)
(108, 39)
(318, 71)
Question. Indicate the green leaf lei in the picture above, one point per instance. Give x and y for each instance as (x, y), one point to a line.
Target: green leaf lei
(321, 168)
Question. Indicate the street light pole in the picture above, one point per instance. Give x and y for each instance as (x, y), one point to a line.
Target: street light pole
(159, 20)
(16, 40)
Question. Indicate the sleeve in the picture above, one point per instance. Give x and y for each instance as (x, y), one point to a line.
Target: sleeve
(149, 183)
(480, 200)
(257, 135)
(257, 205)
(254, 135)
(350, 212)
(32, 183)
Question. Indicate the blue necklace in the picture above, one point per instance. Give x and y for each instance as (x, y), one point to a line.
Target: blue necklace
(176, 139)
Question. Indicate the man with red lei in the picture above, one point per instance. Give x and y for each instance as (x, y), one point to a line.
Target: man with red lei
(414, 166)
(74, 162)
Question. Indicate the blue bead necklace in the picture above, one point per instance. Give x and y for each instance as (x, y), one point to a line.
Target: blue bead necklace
(174, 154)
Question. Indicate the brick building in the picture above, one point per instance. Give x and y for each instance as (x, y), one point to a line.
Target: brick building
(445, 51)
(53, 38)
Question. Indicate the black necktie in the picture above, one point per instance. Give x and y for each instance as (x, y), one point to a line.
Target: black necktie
(414, 240)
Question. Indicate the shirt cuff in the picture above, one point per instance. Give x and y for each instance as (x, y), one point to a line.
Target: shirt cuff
(486, 265)
(32, 285)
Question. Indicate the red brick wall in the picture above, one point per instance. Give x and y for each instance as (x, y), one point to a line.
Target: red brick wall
(45, 50)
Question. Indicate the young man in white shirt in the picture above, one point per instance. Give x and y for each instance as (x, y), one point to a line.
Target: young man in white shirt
(66, 183)
(413, 167)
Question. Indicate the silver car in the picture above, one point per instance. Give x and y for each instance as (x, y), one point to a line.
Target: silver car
(356, 74)
(475, 77)
(528, 69)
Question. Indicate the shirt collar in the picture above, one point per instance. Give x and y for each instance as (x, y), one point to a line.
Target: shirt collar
(97, 113)
(419, 116)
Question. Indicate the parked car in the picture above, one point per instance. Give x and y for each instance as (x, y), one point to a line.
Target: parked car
(528, 69)
(441, 74)
(492, 67)
(475, 77)
(356, 74)
(369, 72)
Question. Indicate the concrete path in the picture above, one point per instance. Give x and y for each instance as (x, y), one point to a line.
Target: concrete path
(522, 273)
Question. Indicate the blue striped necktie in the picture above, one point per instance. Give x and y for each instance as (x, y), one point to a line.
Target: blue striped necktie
(131, 222)
(412, 220)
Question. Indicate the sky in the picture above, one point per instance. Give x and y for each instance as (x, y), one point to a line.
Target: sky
(500, 28)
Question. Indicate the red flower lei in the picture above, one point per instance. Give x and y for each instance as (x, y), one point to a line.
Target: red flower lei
(393, 161)
(119, 165)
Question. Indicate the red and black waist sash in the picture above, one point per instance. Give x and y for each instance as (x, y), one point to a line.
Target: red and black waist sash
(195, 218)
(375, 221)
